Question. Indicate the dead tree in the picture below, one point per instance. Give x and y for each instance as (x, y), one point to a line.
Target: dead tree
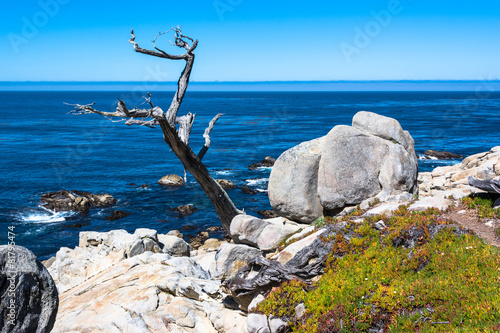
(176, 137)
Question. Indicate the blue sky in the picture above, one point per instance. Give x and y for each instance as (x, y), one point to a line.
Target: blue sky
(252, 40)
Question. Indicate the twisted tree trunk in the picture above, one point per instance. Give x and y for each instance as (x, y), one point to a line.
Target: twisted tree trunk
(176, 138)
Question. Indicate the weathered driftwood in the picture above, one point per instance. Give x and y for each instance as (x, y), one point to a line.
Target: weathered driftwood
(261, 274)
(489, 185)
(177, 139)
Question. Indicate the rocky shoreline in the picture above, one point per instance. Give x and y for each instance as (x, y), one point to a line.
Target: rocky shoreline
(146, 282)
(149, 282)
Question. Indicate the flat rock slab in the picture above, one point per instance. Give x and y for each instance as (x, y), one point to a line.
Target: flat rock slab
(384, 208)
(430, 202)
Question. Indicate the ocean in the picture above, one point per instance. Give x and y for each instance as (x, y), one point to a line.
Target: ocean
(44, 148)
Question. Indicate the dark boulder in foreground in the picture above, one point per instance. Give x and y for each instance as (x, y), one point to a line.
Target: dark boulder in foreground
(75, 200)
(116, 214)
(265, 163)
(29, 298)
(441, 155)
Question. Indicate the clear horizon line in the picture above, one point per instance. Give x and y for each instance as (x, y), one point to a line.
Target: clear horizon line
(271, 81)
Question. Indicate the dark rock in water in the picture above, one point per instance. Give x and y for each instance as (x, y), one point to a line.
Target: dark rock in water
(131, 184)
(268, 214)
(441, 155)
(214, 228)
(188, 227)
(75, 200)
(266, 163)
(144, 185)
(29, 296)
(225, 184)
(186, 210)
(248, 190)
(78, 225)
(116, 214)
(171, 180)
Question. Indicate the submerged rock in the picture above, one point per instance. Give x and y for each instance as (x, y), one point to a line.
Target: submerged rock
(79, 201)
(185, 210)
(116, 214)
(248, 190)
(29, 295)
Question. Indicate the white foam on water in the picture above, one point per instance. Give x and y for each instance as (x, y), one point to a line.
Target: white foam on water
(45, 216)
(426, 157)
(256, 181)
(264, 169)
(223, 172)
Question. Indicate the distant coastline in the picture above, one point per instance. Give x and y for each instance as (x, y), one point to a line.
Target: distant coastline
(388, 85)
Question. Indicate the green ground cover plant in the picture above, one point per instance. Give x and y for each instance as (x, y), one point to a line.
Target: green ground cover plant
(420, 274)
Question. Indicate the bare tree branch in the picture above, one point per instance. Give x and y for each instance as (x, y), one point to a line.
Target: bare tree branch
(488, 185)
(185, 124)
(177, 139)
(206, 135)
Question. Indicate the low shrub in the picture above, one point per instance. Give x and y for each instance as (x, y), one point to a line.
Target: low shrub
(418, 275)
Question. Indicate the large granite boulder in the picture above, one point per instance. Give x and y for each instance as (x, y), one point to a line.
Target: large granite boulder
(292, 191)
(373, 157)
(29, 298)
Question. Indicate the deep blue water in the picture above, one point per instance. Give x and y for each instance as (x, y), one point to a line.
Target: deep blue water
(43, 148)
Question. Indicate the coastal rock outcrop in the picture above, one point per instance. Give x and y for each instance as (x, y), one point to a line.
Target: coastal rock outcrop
(453, 180)
(79, 201)
(97, 251)
(171, 180)
(373, 157)
(145, 292)
(29, 298)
